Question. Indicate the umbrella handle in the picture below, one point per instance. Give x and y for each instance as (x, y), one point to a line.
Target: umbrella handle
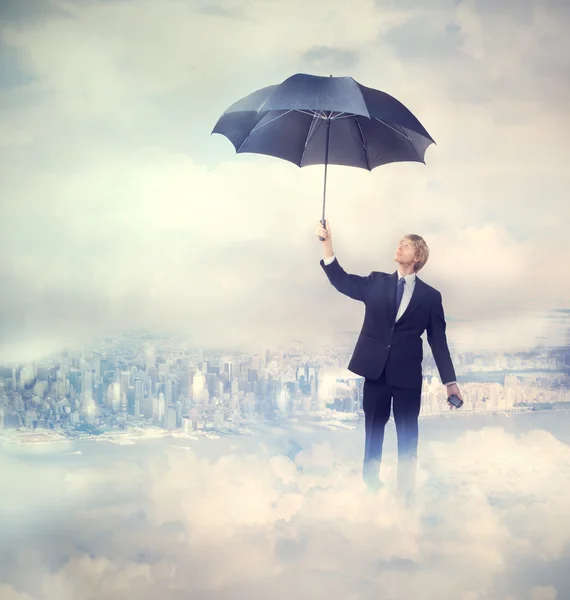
(324, 225)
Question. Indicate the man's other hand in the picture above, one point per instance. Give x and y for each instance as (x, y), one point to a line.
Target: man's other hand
(453, 389)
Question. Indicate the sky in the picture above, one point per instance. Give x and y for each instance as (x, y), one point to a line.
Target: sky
(119, 209)
(289, 521)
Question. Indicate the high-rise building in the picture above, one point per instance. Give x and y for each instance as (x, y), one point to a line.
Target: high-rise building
(147, 406)
(179, 413)
(168, 391)
(161, 409)
(199, 388)
(87, 386)
(249, 403)
(212, 384)
(189, 381)
(149, 358)
(284, 401)
(114, 396)
(139, 389)
(170, 418)
(26, 375)
(164, 369)
(31, 419)
(96, 366)
(228, 369)
(125, 381)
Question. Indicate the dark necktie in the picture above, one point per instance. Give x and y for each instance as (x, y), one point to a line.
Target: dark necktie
(399, 293)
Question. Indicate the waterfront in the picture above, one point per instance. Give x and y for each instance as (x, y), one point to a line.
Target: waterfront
(285, 438)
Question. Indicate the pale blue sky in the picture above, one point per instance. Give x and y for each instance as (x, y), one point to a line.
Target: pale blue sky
(119, 208)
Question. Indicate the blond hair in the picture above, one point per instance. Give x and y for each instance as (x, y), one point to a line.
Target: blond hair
(422, 250)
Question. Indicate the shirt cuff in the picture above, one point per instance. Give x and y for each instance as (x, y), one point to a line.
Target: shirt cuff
(329, 260)
(450, 383)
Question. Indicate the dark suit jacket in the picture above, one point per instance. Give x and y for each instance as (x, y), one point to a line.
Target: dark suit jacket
(383, 342)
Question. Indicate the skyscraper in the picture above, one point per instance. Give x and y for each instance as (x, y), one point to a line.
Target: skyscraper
(87, 386)
(199, 388)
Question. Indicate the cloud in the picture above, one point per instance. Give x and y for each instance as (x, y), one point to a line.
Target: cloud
(119, 210)
(544, 592)
(338, 57)
(265, 524)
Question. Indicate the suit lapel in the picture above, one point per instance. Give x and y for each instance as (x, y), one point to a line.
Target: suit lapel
(391, 286)
(420, 290)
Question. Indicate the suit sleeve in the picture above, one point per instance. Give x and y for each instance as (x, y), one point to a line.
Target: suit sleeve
(353, 286)
(438, 341)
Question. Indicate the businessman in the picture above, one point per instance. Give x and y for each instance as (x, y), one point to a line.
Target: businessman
(399, 307)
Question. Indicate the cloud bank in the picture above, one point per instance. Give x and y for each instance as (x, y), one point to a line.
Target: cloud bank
(492, 522)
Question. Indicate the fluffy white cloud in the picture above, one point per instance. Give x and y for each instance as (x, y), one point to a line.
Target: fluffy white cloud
(260, 524)
(118, 209)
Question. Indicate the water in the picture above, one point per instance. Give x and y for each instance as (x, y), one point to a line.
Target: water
(289, 439)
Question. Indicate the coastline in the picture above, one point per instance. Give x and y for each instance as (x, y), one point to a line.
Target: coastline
(25, 438)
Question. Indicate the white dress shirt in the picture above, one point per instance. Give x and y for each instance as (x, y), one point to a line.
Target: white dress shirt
(406, 297)
(408, 291)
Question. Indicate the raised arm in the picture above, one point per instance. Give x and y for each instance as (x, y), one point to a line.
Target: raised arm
(353, 286)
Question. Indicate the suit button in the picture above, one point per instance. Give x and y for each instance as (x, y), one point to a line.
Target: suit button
(388, 346)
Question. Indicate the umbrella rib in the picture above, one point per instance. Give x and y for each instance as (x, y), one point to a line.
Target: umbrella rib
(405, 134)
(260, 126)
(413, 144)
(393, 128)
(265, 102)
(310, 134)
(344, 115)
(363, 143)
(322, 115)
(309, 113)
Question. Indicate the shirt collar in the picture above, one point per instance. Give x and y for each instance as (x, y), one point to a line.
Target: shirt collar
(409, 278)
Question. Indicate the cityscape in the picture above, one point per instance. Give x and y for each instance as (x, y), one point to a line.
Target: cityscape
(145, 385)
(177, 416)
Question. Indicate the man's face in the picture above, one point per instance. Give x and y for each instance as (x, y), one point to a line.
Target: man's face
(405, 252)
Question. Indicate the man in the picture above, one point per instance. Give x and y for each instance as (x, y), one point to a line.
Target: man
(399, 307)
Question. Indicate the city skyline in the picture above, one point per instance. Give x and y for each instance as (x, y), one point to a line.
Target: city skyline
(141, 381)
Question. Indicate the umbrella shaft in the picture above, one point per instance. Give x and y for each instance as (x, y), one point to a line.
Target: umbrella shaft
(327, 137)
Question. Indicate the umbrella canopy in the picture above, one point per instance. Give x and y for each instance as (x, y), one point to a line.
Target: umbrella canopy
(310, 120)
(366, 127)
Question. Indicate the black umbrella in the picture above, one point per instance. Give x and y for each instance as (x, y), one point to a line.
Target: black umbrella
(310, 120)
